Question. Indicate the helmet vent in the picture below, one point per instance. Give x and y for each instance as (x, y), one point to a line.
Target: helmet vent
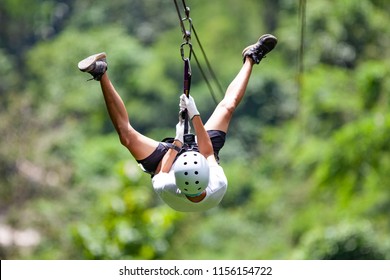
(185, 163)
(196, 173)
(186, 173)
(196, 182)
(195, 162)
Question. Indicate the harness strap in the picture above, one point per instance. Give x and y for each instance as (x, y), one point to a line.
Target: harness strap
(189, 144)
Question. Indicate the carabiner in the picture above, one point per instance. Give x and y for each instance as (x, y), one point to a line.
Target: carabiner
(183, 57)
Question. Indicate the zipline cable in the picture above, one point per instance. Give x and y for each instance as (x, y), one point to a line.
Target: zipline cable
(183, 29)
(187, 37)
(212, 73)
(205, 79)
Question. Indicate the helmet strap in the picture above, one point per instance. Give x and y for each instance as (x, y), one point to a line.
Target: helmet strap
(194, 195)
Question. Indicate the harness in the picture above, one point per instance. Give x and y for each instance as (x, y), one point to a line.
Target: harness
(189, 144)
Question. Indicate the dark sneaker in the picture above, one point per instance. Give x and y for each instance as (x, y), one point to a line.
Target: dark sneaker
(96, 65)
(257, 51)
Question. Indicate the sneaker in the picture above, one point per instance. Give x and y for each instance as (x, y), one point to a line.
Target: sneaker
(257, 51)
(96, 65)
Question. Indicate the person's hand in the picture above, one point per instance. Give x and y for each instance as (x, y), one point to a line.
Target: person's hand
(190, 105)
(182, 103)
(180, 131)
(182, 112)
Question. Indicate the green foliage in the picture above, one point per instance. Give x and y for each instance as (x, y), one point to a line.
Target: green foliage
(127, 222)
(307, 155)
(343, 242)
(128, 225)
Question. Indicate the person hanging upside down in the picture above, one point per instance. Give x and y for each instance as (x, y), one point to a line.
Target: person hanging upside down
(188, 178)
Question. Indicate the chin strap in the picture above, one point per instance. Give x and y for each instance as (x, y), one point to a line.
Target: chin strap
(194, 195)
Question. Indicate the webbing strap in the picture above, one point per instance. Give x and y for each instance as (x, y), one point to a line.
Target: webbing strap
(187, 77)
(186, 90)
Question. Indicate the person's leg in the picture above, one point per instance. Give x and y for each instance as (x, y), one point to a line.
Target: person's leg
(139, 145)
(220, 119)
(222, 115)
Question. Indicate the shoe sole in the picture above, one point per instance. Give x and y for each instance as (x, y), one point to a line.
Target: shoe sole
(261, 38)
(87, 62)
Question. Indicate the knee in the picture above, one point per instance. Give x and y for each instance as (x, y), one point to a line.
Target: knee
(124, 141)
(125, 136)
(229, 106)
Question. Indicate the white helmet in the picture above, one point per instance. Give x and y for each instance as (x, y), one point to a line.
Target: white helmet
(191, 173)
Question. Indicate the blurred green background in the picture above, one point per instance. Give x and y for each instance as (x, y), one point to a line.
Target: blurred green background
(307, 157)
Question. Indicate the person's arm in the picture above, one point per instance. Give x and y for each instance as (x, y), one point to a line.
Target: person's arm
(169, 157)
(204, 142)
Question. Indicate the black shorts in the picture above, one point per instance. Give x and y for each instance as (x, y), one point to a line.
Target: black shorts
(150, 163)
